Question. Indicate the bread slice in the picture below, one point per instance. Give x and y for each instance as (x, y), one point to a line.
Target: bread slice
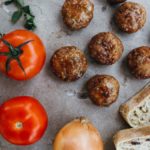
(136, 111)
(133, 139)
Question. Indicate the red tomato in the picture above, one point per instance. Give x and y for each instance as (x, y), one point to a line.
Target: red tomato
(23, 120)
(22, 54)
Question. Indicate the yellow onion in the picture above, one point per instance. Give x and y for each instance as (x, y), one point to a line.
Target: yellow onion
(80, 134)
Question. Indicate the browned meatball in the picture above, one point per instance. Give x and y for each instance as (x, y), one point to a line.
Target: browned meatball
(106, 48)
(69, 63)
(77, 14)
(139, 62)
(116, 1)
(130, 17)
(103, 89)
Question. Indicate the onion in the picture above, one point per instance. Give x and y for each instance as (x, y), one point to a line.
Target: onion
(80, 134)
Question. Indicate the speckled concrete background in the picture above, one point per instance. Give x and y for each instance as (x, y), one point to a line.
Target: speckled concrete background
(62, 100)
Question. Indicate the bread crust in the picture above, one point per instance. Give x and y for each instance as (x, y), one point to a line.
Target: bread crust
(130, 134)
(134, 102)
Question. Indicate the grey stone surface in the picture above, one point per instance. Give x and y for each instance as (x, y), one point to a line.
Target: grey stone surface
(60, 99)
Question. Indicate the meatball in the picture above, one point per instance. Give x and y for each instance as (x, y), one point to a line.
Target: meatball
(130, 17)
(106, 48)
(69, 63)
(116, 1)
(77, 14)
(139, 62)
(103, 89)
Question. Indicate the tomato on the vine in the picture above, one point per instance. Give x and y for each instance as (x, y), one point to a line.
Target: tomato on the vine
(22, 54)
(23, 120)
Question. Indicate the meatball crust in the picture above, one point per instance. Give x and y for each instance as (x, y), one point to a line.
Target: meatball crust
(130, 17)
(105, 48)
(139, 62)
(69, 63)
(77, 14)
(116, 1)
(103, 89)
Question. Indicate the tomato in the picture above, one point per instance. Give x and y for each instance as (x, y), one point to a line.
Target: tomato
(23, 120)
(22, 54)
